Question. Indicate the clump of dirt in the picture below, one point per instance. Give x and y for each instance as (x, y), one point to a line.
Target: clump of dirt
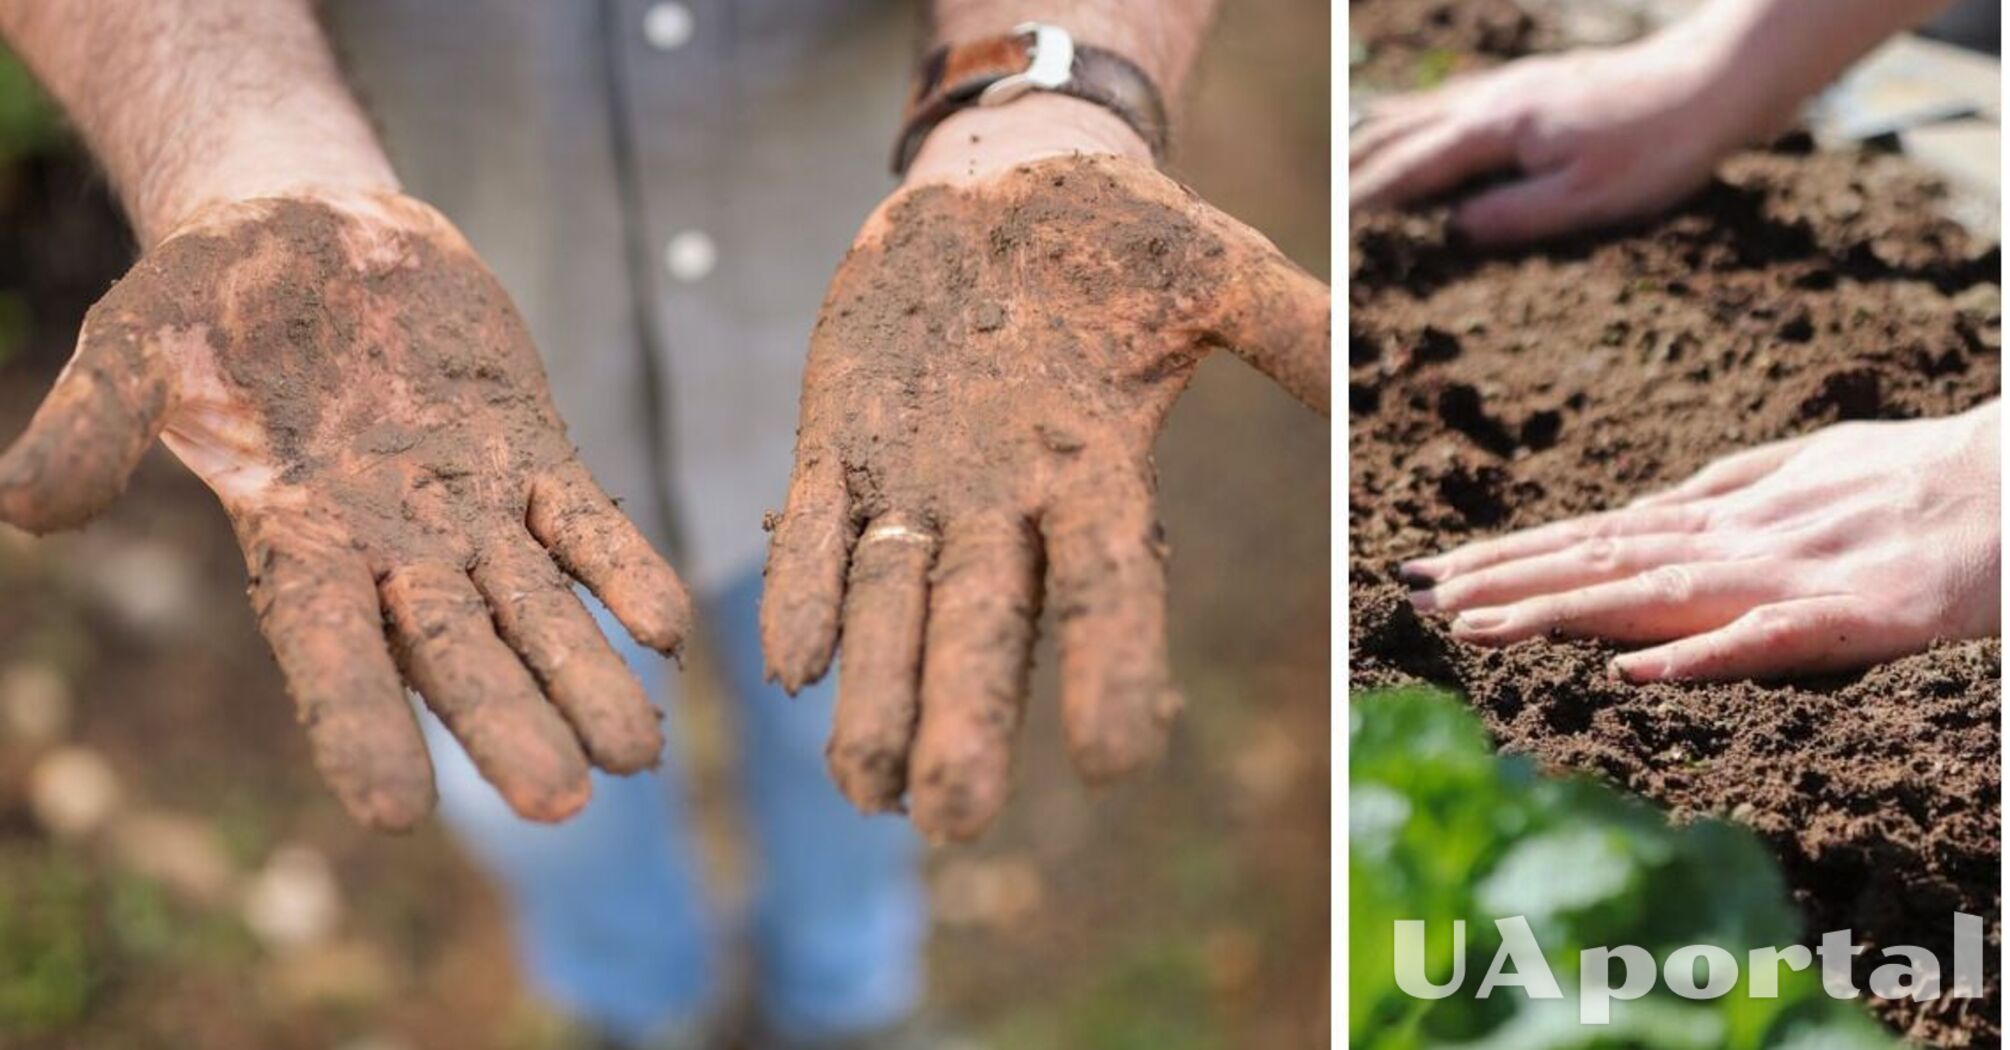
(989, 371)
(1492, 391)
(1416, 43)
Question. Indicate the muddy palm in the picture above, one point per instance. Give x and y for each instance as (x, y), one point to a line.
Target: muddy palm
(991, 366)
(360, 393)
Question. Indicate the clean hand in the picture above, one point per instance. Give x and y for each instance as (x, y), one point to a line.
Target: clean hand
(1850, 546)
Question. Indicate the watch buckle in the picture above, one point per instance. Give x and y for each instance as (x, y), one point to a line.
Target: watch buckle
(1053, 63)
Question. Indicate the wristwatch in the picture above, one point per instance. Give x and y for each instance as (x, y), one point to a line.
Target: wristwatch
(1033, 57)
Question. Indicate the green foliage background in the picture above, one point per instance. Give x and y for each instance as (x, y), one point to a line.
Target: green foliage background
(1442, 828)
(28, 120)
(29, 125)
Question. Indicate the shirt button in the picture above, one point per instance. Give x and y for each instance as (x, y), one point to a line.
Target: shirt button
(668, 26)
(690, 256)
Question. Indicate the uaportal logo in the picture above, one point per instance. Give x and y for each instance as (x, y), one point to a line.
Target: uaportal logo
(1696, 971)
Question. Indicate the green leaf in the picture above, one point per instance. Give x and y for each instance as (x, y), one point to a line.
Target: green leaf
(1442, 829)
(1560, 872)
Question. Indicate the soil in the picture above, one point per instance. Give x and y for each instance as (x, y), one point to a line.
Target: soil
(1495, 391)
(1415, 43)
(957, 405)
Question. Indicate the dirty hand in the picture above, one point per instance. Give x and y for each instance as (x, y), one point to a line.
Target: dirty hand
(1589, 138)
(993, 360)
(1850, 546)
(358, 390)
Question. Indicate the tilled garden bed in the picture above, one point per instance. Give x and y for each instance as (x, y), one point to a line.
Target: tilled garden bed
(1492, 391)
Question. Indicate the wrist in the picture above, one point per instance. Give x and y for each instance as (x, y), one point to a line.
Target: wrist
(1763, 61)
(981, 141)
(1725, 105)
(269, 155)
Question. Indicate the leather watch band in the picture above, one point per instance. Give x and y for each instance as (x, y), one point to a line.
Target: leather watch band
(998, 69)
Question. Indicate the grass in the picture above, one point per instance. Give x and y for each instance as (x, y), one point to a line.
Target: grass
(1157, 997)
(48, 968)
(71, 932)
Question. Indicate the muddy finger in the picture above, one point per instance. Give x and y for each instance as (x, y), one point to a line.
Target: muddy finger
(537, 613)
(592, 540)
(1280, 319)
(318, 610)
(806, 572)
(1107, 581)
(983, 608)
(445, 641)
(84, 441)
(885, 607)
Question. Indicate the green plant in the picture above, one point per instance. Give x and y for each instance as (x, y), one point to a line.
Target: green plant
(1441, 828)
(1434, 67)
(48, 971)
(1153, 997)
(28, 120)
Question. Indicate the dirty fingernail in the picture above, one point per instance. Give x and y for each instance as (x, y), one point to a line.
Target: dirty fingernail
(1480, 620)
(1630, 668)
(1424, 600)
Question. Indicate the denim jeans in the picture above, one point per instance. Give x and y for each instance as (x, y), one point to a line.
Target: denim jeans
(611, 919)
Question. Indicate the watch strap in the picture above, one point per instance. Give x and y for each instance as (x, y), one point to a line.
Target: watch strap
(993, 70)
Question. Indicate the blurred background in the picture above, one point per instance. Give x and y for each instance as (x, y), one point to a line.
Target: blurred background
(172, 874)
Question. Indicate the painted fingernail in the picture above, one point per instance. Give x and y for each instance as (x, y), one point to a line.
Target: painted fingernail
(1418, 574)
(1480, 620)
(1424, 600)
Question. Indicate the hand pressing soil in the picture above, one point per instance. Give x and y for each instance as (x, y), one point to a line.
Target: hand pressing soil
(1592, 138)
(992, 363)
(360, 393)
(1607, 135)
(1848, 547)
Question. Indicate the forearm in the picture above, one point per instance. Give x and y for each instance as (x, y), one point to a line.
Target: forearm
(1775, 54)
(186, 102)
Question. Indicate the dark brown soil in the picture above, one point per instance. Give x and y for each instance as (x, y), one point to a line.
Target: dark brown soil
(1415, 43)
(1490, 392)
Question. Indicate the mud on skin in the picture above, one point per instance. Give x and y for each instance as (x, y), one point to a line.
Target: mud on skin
(362, 396)
(1492, 392)
(985, 381)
